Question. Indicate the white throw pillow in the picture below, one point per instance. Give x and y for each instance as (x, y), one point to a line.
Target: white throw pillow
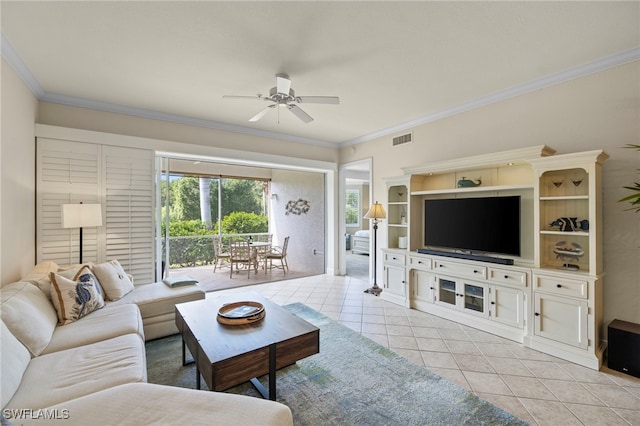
(14, 358)
(73, 299)
(40, 274)
(114, 280)
(29, 315)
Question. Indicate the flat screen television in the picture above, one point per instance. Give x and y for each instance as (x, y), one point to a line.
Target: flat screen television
(480, 225)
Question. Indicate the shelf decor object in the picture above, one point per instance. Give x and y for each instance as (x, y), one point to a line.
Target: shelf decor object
(376, 213)
(81, 216)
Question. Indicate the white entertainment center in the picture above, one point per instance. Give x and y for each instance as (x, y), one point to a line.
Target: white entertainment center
(550, 297)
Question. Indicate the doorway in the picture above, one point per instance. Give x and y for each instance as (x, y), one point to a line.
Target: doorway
(356, 198)
(200, 199)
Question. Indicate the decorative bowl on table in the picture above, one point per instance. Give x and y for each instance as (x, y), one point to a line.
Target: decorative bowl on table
(239, 313)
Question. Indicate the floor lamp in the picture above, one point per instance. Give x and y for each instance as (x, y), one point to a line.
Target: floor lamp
(80, 216)
(376, 212)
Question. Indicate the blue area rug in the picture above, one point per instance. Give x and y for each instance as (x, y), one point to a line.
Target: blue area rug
(352, 381)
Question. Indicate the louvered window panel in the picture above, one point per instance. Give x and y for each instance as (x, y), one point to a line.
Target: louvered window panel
(68, 172)
(119, 178)
(129, 216)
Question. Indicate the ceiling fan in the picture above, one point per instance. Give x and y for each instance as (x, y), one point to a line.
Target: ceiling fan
(283, 95)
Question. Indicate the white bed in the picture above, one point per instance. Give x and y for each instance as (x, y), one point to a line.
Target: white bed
(360, 242)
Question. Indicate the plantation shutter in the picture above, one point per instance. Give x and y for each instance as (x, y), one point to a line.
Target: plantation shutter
(119, 178)
(129, 218)
(68, 172)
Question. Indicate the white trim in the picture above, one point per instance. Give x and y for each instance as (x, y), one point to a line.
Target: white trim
(573, 73)
(174, 118)
(185, 150)
(14, 60)
(601, 64)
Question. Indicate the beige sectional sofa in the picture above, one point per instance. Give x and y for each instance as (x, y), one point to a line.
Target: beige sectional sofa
(93, 369)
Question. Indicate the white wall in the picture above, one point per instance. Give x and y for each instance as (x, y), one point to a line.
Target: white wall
(101, 121)
(599, 111)
(307, 231)
(17, 171)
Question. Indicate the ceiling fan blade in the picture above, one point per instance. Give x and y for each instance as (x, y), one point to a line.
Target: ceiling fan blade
(262, 113)
(318, 100)
(253, 98)
(298, 112)
(283, 84)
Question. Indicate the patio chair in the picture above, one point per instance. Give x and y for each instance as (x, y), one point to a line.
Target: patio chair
(243, 255)
(220, 255)
(279, 253)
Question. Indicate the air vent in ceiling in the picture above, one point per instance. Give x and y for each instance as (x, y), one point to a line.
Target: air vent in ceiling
(399, 140)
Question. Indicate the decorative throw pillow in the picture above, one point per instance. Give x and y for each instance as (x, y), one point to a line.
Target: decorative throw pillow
(74, 299)
(114, 280)
(86, 274)
(40, 274)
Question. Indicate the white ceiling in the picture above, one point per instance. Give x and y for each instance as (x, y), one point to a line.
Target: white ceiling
(393, 64)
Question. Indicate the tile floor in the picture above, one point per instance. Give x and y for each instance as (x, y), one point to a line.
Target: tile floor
(538, 388)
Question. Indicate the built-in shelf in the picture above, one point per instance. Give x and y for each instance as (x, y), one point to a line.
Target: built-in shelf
(564, 198)
(550, 299)
(474, 189)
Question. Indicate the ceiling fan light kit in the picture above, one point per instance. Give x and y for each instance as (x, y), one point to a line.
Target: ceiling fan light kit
(284, 95)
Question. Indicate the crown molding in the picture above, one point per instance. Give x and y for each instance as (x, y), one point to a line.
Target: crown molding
(174, 118)
(14, 60)
(573, 73)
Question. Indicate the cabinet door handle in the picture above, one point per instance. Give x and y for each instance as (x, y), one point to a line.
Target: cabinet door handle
(537, 314)
(475, 272)
(493, 303)
(394, 258)
(506, 277)
(431, 288)
(559, 285)
(420, 262)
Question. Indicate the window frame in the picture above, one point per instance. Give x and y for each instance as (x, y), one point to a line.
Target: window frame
(357, 207)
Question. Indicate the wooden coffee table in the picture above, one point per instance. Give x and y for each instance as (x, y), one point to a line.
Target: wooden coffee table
(228, 355)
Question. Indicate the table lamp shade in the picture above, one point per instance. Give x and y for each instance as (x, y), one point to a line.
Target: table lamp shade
(376, 212)
(81, 215)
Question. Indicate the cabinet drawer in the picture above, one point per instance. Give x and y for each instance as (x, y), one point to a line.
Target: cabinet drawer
(394, 258)
(506, 276)
(563, 286)
(460, 269)
(418, 262)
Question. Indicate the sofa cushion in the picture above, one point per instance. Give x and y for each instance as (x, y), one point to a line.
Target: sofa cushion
(29, 315)
(146, 403)
(39, 276)
(158, 299)
(14, 360)
(100, 325)
(114, 279)
(75, 298)
(72, 373)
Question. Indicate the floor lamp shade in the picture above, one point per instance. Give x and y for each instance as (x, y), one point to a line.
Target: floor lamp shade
(80, 216)
(376, 212)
